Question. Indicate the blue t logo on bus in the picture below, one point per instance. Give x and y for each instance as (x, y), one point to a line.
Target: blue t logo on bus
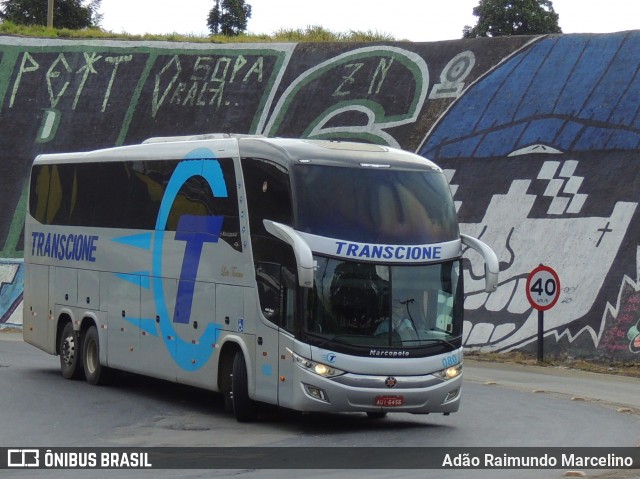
(187, 355)
(196, 231)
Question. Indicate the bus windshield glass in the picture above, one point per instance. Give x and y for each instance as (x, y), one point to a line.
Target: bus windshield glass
(373, 305)
(375, 205)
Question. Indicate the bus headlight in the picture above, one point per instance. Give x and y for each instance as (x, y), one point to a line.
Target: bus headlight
(316, 368)
(450, 372)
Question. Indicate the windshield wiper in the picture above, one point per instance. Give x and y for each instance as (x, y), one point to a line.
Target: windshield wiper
(324, 340)
(431, 340)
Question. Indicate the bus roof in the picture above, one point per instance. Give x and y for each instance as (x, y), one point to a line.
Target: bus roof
(286, 151)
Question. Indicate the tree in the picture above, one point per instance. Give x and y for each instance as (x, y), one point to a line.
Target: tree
(513, 17)
(72, 14)
(229, 17)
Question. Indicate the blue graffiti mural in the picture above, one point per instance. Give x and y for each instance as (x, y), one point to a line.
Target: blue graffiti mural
(537, 129)
(572, 93)
(11, 288)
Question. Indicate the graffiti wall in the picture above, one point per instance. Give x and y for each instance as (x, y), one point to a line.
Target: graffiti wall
(538, 136)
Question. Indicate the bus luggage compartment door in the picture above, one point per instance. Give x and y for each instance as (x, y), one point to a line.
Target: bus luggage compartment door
(37, 322)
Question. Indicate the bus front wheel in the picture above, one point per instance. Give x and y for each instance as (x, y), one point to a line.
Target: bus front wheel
(244, 408)
(69, 350)
(95, 373)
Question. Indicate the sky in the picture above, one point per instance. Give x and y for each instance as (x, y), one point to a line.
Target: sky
(414, 20)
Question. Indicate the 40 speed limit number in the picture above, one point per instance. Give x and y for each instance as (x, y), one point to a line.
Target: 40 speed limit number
(543, 288)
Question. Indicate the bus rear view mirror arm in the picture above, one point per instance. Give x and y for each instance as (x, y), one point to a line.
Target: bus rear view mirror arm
(304, 257)
(491, 267)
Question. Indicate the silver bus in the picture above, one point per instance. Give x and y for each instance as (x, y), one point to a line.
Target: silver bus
(313, 275)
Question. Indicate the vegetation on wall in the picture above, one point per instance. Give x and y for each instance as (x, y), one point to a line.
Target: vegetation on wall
(312, 33)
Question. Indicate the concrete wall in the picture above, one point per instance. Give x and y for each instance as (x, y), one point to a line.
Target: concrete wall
(539, 136)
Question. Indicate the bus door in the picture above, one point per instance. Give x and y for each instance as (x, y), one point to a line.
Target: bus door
(267, 331)
(288, 325)
(275, 334)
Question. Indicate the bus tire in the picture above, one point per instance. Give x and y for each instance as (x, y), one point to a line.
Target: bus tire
(244, 408)
(95, 373)
(226, 385)
(69, 351)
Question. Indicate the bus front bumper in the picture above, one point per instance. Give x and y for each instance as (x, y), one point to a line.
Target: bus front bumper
(361, 393)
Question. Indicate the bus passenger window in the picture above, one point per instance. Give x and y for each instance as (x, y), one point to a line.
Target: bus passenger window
(268, 194)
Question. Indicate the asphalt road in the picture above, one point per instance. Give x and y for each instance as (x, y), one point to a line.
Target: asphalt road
(619, 392)
(503, 405)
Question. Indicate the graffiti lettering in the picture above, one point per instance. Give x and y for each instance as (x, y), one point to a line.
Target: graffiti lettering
(453, 76)
(240, 62)
(201, 64)
(158, 99)
(256, 69)
(58, 80)
(86, 70)
(115, 61)
(33, 66)
(350, 68)
(197, 94)
(348, 79)
(379, 75)
(52, 74)
(207, 82)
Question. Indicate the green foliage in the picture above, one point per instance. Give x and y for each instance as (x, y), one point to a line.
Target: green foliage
(513, 17)
(70, 14)
(310, 34)
(229, 17)
(316, 33)
(369, 36)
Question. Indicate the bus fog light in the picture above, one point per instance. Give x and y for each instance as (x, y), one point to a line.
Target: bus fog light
(452, 395)
(316, 393)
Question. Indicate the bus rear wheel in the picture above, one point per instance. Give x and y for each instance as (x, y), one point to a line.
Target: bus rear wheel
(244, 408)
(69, 350)
(95, 373)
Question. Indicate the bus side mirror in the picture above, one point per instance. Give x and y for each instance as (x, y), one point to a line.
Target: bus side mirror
(491, 267)
(302, 251)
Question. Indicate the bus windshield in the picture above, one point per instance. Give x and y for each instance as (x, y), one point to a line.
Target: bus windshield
(375, 205)
(373, 305)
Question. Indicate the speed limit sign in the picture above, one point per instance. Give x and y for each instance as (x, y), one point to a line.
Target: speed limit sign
(543, 288)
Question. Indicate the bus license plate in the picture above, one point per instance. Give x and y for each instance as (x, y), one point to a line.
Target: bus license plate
(389, 401)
